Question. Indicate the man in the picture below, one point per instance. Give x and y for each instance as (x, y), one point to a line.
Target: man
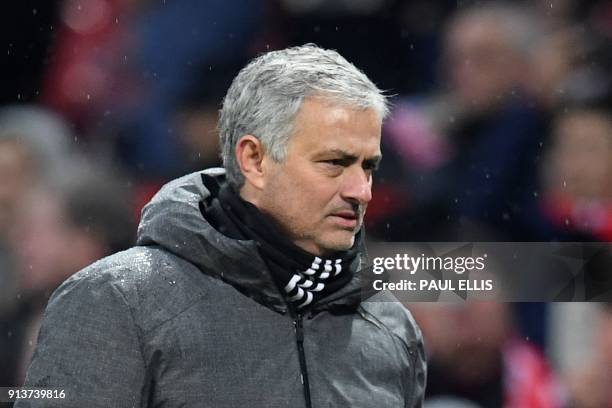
(244, 289)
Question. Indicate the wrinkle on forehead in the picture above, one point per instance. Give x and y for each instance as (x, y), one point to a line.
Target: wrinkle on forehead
(325, 120)
(339, 111)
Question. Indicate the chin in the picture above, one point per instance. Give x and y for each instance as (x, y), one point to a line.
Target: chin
(339, 243)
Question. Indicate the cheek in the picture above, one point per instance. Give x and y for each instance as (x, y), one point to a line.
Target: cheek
(287, 198)
(310, 189)
(302, 194)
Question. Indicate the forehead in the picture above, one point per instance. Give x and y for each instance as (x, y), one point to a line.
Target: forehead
(321, 125)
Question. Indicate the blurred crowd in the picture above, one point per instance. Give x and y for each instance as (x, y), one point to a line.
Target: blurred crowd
(501, 130)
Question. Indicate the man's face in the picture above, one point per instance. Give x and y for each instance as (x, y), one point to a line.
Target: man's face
(478, 55)
(319, 194)
(582, 155)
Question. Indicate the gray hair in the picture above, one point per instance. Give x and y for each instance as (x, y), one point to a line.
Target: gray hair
(266, 95)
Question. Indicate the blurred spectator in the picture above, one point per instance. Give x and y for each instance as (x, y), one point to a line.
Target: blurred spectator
(591, 385)
(16, 173)
(471, 153)
(474, 355)
(33, 145)
(487, 55)
(67, 225)
(15, 178)
(60, 228)
(579, 173)
(46, 136)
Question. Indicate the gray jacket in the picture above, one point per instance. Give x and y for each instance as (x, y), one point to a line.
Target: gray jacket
(192, 318)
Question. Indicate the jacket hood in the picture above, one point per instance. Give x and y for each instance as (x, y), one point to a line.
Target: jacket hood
(174, 220)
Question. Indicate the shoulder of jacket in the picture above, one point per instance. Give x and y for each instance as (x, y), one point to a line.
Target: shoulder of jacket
(391, 313)
(155, 284)
(134, 267)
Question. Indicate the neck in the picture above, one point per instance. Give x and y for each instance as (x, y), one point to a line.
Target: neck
(250, 194)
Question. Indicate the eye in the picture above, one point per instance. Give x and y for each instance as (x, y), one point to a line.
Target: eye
(370, 167)
(333, 167)
(334, 162)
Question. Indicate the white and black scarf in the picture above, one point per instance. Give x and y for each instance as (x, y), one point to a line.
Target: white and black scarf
(303, 277)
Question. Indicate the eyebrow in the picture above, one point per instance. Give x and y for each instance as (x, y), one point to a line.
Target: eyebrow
(351, 158)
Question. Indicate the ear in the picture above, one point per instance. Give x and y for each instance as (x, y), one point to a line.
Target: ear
(250, 154)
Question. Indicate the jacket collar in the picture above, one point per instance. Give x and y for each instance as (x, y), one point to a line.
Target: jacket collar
(173, 220)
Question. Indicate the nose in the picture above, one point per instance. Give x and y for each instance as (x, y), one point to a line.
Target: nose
(358, 186)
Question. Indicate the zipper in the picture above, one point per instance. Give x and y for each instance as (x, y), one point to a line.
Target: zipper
(299, 337)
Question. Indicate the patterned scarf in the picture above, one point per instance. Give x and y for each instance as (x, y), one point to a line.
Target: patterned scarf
(303, 277)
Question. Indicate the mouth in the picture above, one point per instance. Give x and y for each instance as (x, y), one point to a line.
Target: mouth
(346, 219)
